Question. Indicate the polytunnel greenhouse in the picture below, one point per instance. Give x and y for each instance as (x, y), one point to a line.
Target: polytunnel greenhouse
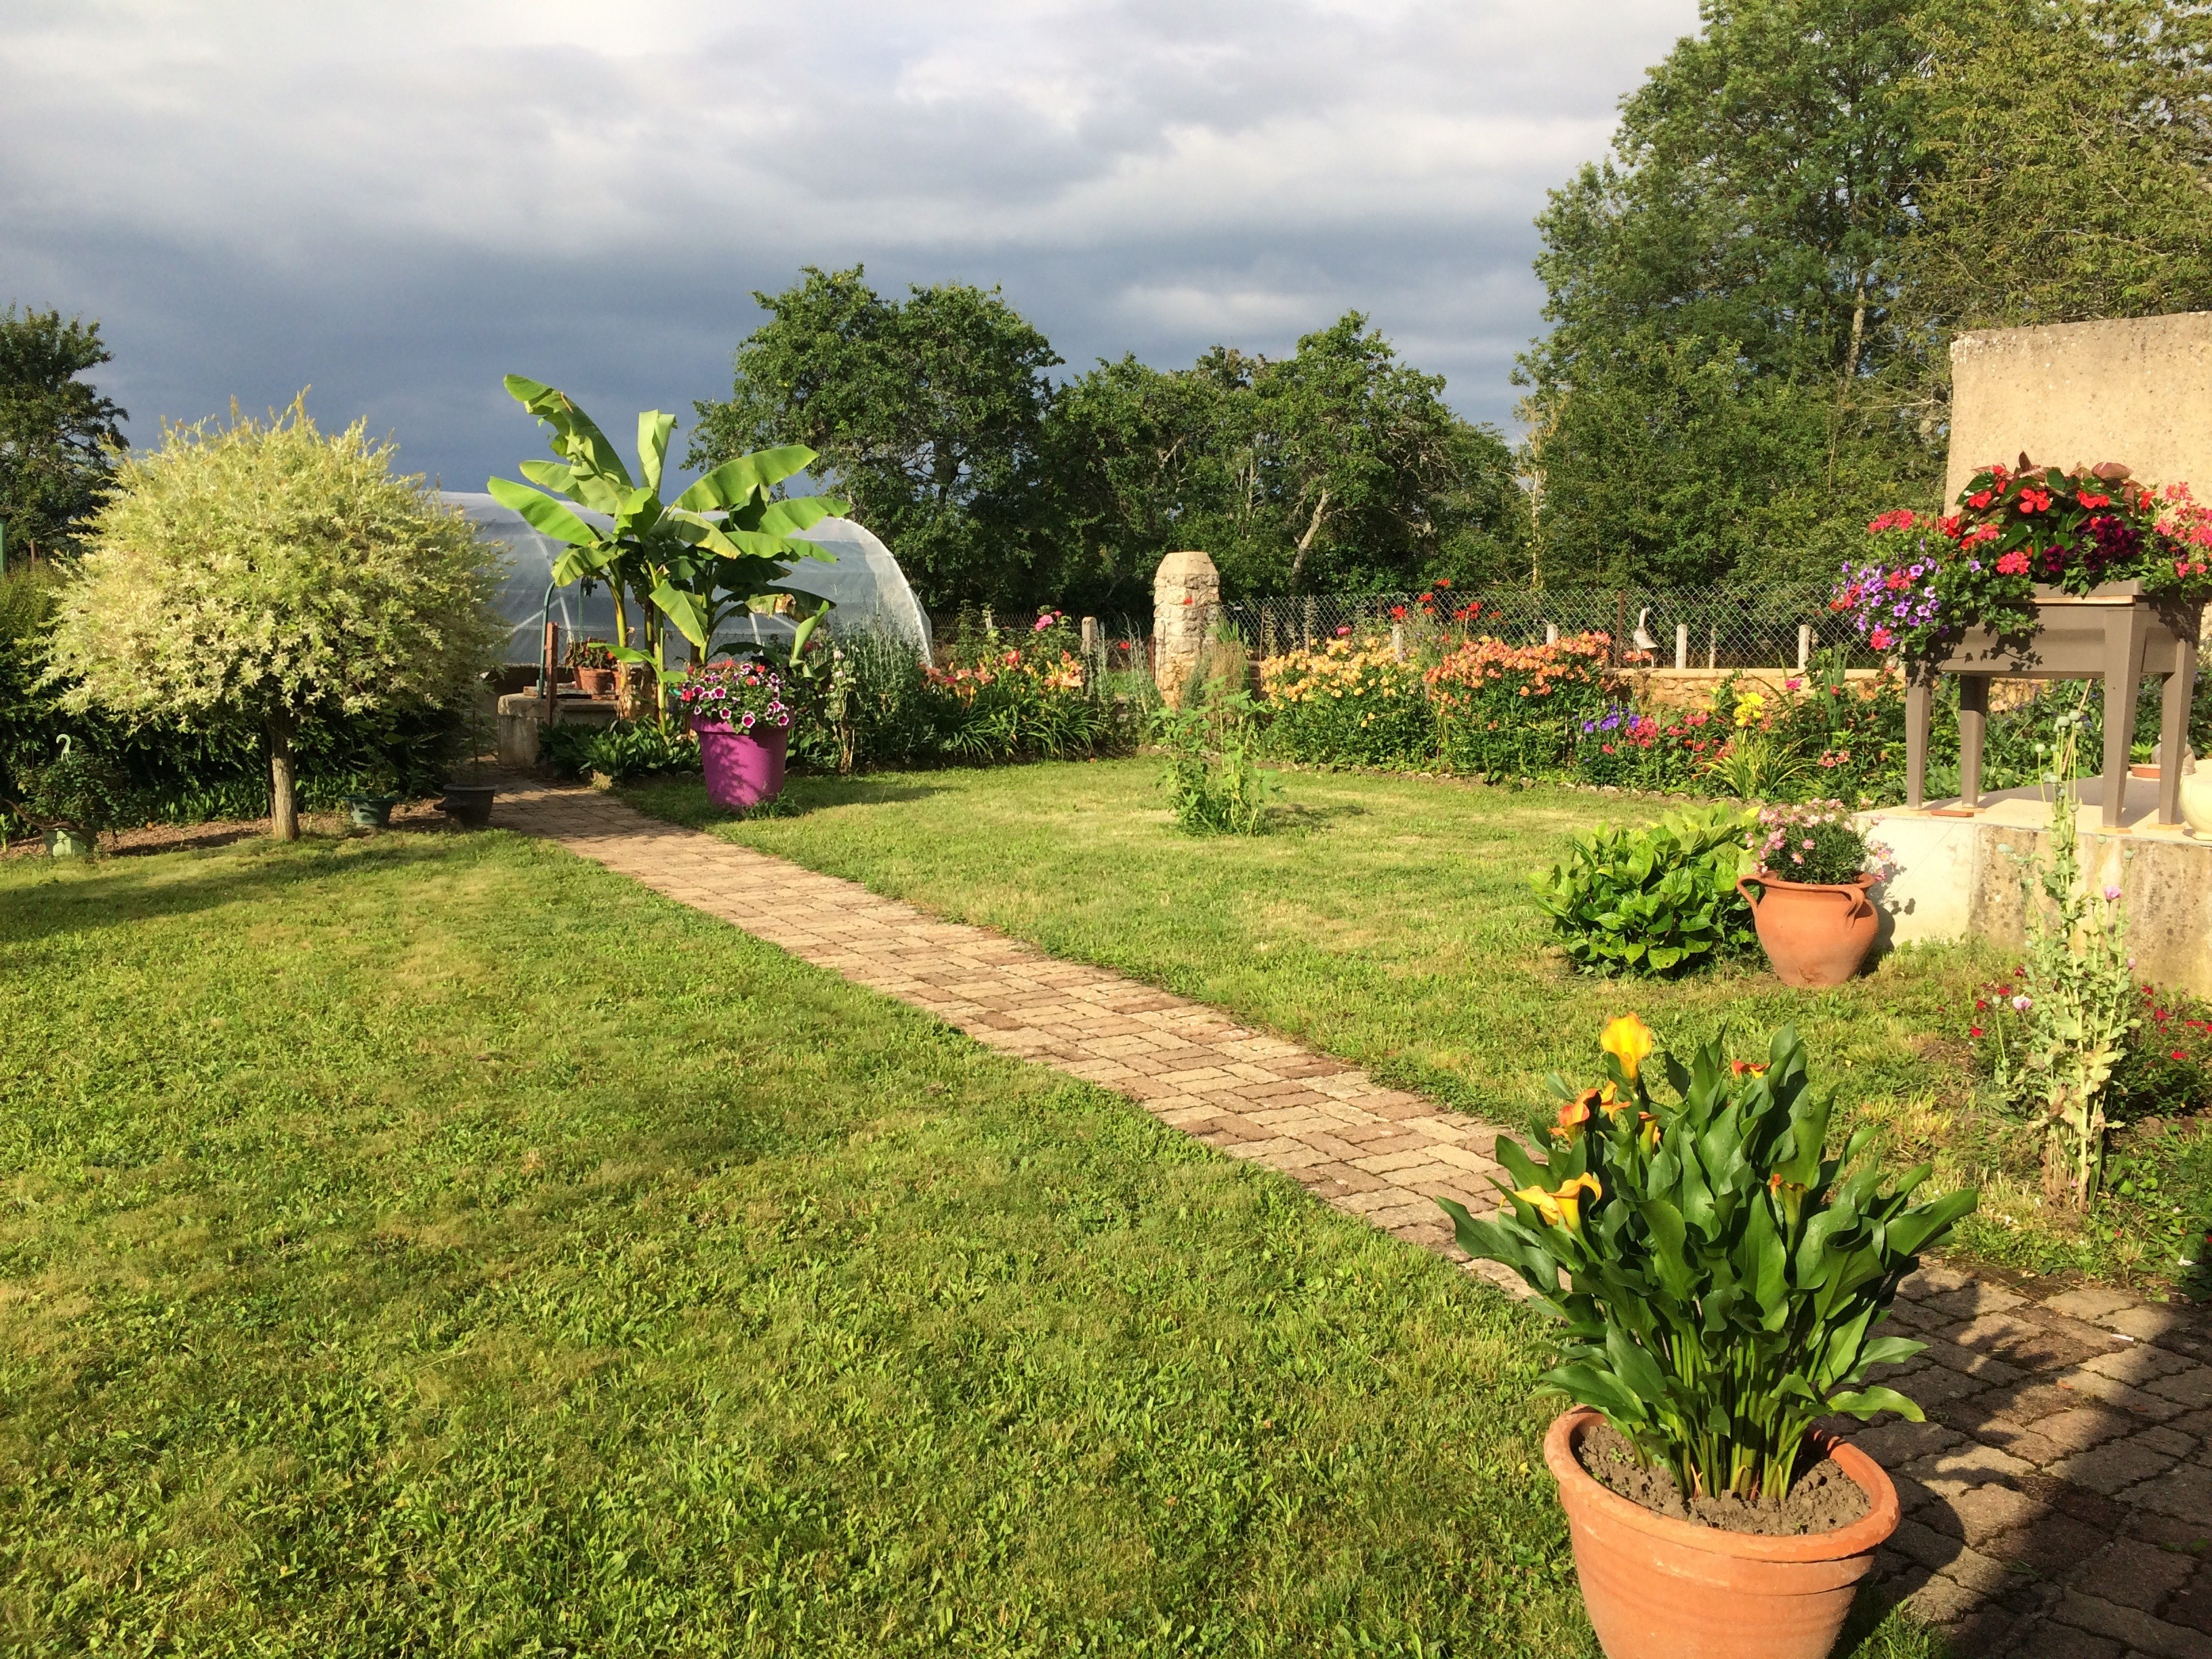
(867, 590)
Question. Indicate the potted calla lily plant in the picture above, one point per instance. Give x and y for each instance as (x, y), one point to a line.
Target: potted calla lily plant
(1719, 1279)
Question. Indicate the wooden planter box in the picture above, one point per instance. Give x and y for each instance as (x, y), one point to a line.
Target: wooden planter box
(2115, 633)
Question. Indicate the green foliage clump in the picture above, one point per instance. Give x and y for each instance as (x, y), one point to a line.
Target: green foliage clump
(80, 789)
(1723, 1277)
(625, 750)
(185, 775)
(1658, 901)
(1213, 779)
(258, 576)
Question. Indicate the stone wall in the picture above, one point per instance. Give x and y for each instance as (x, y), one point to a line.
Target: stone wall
(2137, 391)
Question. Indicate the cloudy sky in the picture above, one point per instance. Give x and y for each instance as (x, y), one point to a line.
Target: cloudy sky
(395, 202)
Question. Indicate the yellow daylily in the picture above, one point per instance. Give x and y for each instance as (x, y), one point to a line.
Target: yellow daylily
(1629, 1041)
(1562, 1208)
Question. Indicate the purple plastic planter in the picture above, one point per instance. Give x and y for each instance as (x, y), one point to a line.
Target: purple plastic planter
(742, 771)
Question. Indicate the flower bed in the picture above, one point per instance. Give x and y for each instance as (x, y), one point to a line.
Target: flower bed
(1348, 703)
(1927, 581)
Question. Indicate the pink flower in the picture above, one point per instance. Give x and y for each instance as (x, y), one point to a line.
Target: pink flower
(2112, 895)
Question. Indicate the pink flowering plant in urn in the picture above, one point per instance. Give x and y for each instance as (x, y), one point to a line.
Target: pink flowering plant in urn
(743, 696)
(1814, 841)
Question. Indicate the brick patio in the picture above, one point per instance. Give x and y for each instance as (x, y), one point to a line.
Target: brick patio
(2058, 1501)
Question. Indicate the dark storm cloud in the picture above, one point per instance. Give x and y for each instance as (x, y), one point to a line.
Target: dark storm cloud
(397, 203)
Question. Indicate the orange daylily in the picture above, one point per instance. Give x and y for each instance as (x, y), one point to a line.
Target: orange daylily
(1629, 1041)
(1562, 1208)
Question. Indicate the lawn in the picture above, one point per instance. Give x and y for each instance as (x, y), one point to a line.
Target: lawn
(1389, 920)
(436, 1244)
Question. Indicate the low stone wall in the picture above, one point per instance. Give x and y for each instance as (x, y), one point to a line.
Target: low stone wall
(1959, 877)
(521, 725)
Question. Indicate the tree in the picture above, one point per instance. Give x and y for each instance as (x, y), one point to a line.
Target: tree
(260, 573)
(928, 413)
(1727, 385)
(2072, 139)
(693, 561)
(57, 433)
(1339, 468)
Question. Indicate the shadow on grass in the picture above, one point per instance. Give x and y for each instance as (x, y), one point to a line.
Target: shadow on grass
(683, 801)
(96, 895)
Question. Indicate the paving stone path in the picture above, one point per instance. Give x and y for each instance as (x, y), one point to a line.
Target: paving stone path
(2058, 1501)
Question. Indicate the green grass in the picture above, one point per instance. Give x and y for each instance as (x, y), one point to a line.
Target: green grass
(439, 1245)
(1389, 920)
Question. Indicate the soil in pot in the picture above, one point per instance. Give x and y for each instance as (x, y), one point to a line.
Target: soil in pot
(1822, 1498)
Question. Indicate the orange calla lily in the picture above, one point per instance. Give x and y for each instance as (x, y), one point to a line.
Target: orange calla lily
(1576, 1112)
(1745, 1068)
(1562, 1208)
(1629, 1041)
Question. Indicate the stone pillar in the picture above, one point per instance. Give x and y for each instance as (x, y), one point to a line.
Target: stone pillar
(1185, 589)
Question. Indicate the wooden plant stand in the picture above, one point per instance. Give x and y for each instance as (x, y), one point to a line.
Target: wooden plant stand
(2115, 633)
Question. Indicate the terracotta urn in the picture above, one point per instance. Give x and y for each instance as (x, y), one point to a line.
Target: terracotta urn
(595, 682)
(1657, 1588)
(1815, 933)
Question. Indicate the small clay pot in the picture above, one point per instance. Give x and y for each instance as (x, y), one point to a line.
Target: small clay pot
(1815, 933)
(1657, 1588)
(595, 682)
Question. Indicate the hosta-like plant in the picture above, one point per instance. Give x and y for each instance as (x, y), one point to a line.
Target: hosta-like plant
(1719, 1276)
(1657, 901)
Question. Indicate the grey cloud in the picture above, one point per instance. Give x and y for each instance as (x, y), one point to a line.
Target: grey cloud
(399, 202)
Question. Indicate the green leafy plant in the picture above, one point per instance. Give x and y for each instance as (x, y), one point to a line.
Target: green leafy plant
(80, 789)
(622, 751)
(1718, 1275)
(1213, 778)
(1657, 901)
(2077, 993)
(590, 654)
(693, 562)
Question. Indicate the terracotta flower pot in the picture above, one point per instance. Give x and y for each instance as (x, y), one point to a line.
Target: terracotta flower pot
(595, 682)
(1657, 1588)
(1814, 933)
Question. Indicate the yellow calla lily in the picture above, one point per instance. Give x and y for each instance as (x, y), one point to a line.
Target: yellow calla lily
(1629, 1041)
(1562, 1208)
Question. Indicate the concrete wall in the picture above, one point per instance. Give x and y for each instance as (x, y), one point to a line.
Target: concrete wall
(2137, 391)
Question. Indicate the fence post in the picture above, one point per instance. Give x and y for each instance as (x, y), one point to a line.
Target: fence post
(1619, 623)
(1681, 646)
(1713, 649)
(1551, 633)
(1804, 646)
(1310, 609)
(1398, 640)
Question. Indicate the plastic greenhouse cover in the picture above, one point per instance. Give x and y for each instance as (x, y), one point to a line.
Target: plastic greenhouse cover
(861, 579)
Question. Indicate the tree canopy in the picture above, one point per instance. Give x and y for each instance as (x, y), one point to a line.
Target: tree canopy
(1750, 302)
(256, 574)
(57, 433)
(1337, 467)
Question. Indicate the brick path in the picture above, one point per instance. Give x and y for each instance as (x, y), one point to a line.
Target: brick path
(2058, 1502)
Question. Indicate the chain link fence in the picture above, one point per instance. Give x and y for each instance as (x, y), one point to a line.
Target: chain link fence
(1777, 626)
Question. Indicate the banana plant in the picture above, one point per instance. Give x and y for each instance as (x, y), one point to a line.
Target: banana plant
(693, 561)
